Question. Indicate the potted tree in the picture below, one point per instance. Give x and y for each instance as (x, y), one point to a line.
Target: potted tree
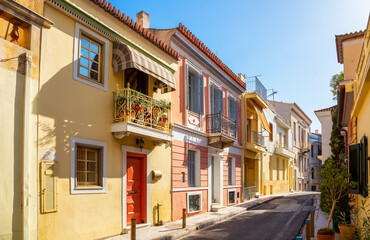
(335, 185)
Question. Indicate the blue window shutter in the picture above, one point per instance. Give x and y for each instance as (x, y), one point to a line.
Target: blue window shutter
(229, 105)
(236, 113)
(212, 97)
(201, 93)
(220, 101)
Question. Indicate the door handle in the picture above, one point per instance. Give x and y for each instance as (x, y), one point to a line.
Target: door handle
(132, 192)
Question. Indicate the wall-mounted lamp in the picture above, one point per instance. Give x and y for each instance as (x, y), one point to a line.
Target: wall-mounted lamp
(140, 143)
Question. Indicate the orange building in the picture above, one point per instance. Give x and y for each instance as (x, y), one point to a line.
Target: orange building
(206, 147)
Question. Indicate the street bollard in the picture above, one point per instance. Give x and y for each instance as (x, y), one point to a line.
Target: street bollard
(308, 229)
(312, 222)
(133, 228)
(184, 218)
(298, 238)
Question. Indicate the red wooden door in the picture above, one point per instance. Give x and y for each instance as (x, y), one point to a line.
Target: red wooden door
(136, 190)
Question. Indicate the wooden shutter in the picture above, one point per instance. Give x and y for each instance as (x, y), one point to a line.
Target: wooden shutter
(212, 97)
(354, 165)
(220, 101)
(363, 167)
(236, 115)
(201, 93)
(191, 168)
(48, 187)
(271, 136)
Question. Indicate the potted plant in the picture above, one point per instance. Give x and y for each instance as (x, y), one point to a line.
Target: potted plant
(347, 230)
(335, 185)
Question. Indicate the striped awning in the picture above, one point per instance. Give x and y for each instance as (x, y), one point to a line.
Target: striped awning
(125, 57)
(262, 118)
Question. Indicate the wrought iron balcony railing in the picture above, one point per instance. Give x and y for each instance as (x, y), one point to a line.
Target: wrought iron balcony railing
(218, 123)
(255, 137)
(257, 86)
(134, 107)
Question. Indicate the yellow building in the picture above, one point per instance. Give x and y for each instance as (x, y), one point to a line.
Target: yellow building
(21, 24)
(359, 147)
(104, 137)
(253, 121)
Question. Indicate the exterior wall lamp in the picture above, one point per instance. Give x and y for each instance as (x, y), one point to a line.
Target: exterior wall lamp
(140, 143)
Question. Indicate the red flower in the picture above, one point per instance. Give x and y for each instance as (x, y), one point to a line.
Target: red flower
(165, 119)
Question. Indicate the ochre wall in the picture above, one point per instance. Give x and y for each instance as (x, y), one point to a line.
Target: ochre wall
(351, 56)
(70, 108)
(18, 158)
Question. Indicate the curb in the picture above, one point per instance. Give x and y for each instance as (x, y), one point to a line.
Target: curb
(188, 230)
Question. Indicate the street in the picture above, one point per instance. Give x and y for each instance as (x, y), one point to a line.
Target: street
(281, 218)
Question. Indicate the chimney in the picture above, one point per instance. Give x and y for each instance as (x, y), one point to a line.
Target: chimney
(241, 76)
(317, 131)
(142, 18)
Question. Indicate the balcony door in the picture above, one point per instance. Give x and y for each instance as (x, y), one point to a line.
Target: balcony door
(216, 104)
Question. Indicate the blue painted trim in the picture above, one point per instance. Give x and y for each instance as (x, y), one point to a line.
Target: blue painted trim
(205, 61)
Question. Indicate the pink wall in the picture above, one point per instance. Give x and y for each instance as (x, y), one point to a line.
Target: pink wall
(179, 200)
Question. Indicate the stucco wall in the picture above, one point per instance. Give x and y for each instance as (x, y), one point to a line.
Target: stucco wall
(351, 56)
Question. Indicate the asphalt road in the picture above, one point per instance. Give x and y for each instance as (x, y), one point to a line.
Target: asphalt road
(279, 219)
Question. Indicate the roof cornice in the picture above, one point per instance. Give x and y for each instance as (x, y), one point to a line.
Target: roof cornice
(339, 39)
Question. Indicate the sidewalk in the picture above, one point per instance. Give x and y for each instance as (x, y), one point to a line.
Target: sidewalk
(173, 230)
(321, 219)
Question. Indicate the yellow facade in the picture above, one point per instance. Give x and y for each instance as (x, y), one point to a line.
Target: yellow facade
(361, 107)
(19, 71)
(71, 109)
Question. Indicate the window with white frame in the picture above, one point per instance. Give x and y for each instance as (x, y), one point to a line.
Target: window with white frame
(195, 91)
(194, 202)
(88, 166)
(231, 196)
(231, 170)
(90, 57)
(193, 168)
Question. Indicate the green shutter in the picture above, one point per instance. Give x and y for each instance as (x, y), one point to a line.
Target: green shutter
(354, 165)
(363, 167)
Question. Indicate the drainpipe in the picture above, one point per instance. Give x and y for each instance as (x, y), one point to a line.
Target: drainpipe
(26, 60)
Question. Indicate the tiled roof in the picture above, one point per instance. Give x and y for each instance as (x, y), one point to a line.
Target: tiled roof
(339, 39)
(192, 38)
(326, 109)
(109, 8)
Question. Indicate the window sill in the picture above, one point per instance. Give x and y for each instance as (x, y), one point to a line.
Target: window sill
(195, 211)
(89, 187)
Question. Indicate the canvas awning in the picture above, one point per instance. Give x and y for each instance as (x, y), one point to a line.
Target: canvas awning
(125, 57)
(262, 118)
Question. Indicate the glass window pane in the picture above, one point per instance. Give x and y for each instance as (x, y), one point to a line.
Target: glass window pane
(84, 71)
(85, 42)
(84, 52)
(84, 62)
(94, 66)
(95, 47)
(94, 75)
(94, 56)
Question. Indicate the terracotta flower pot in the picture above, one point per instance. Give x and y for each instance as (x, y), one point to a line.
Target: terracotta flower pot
(347, 232)
(325, 237)
(325, 234)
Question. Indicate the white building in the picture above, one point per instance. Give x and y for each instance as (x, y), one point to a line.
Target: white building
(324, 116)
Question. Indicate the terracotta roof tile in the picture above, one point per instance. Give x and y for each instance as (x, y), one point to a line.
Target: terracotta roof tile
(192, 38)
(326, 109)
(339, 39)
(108, 7)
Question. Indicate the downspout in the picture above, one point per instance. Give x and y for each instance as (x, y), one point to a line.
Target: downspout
(26, 60)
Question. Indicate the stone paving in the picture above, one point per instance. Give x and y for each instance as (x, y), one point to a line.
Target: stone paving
(173, 230)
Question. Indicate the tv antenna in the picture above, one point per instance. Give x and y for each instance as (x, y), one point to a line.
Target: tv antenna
(273, 92)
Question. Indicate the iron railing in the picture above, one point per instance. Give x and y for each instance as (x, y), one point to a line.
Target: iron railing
(218, 123)
(257, 86)
(135, 107)
(249, 192)
(255, 137)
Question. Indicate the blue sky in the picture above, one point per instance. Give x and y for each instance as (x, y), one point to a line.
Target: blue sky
(290, 43)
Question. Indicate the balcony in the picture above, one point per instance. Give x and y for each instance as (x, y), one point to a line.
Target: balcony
(255, 141)
(257, 92)
(140, 115)
(221, 130)
(284, 151)
(305, 147)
